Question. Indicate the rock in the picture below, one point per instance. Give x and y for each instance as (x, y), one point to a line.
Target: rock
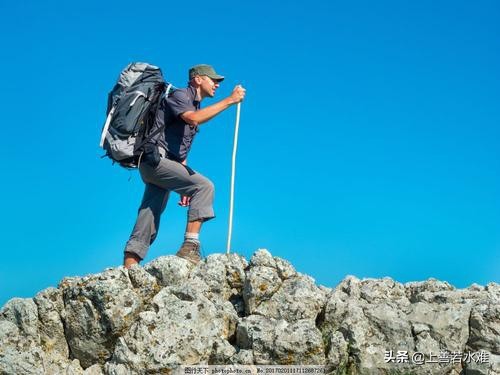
(93, 370)
(337, 352)
(484, 325)
(376, 316)
(223, 275)
(169, 270)
(243, 357)
(226, 310)
(273, 288)
(143, 282)
(260, 285)
(182, 330)
(279, 342)
(222, 352)
(98, 309)
(297, 298)
(21, 354)
(24, 314)
(262, 258)
(50, 307)
(371, 315)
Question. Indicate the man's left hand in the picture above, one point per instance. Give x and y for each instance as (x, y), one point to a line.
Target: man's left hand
(185, 201)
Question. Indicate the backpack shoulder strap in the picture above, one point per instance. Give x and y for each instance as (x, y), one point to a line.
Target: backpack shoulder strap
(170, 88)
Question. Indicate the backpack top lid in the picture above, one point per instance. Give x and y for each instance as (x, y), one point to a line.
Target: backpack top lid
(129, 75)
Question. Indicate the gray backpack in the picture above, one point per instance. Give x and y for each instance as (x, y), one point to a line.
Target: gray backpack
(132, 105)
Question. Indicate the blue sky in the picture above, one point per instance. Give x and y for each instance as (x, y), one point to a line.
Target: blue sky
(369, 137)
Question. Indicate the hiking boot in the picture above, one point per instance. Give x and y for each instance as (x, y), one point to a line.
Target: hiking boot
(190, 251)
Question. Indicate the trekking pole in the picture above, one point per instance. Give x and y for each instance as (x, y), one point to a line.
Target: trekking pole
(233, 172)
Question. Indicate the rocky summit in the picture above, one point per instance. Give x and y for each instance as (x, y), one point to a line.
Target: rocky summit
(226, 310)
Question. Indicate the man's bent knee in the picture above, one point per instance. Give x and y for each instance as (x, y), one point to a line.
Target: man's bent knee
(207, 187)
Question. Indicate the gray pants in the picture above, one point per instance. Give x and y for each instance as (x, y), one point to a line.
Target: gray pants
(168, 176)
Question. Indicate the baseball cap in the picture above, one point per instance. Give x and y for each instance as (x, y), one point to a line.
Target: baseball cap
(205, 70)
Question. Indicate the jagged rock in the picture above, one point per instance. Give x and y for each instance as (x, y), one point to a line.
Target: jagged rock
(169, 270)
(279, 342)
(181, 330)
(226, 310)
(273, 288)
(263, 258)
(19, 353)
(224, 275)
(20, 349)
(222, 352)
(260, 285)
(297, 298)
(243, 357)
(93, 370)
(50, 307)
(376, 316)
(484, 324)
(24, 314)
(143, 282)
(337, 352)
(98, 309)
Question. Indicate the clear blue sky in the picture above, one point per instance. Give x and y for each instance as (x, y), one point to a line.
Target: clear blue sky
(369, 137)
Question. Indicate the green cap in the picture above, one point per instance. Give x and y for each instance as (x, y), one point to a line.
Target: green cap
(205, 70)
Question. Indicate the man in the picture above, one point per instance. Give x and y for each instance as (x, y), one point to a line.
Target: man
(163, 165)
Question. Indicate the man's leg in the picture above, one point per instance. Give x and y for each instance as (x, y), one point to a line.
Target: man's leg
(147, 224)
(200, 210)
(171, 175)
(193, 226)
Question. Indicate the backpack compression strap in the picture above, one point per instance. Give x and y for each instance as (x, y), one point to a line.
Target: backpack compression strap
(106, 126)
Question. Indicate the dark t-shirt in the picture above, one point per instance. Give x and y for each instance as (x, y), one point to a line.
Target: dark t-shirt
(178, 135)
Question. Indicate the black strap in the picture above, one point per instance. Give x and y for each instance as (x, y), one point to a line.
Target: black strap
(148, 137)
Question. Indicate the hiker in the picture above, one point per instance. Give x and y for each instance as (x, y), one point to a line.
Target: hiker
(163, 165)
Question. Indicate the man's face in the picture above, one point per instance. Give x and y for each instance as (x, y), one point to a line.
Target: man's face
(208, 86)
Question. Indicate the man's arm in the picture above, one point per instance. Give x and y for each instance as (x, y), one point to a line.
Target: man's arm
(203, 115)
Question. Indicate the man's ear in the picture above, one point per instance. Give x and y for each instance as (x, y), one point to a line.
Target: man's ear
(197, 80)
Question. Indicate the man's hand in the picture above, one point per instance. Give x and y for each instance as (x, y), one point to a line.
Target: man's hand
(238, 94)
(185, 201)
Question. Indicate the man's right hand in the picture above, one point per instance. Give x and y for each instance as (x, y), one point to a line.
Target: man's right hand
(238, 94)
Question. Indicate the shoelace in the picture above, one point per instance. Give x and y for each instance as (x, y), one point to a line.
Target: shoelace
(192, 247)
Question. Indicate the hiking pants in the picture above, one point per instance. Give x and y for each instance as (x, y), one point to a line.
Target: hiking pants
(168, 176)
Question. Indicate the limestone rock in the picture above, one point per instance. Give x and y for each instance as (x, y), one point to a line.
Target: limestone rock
(297, 298)
(151, 319)
(50, 307)
(98, 309)
(24, 314)
(169, 270)
(181, 330)
(379, 316)
(279, 342)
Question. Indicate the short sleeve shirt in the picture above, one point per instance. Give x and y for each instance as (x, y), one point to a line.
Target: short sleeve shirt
(178, 135)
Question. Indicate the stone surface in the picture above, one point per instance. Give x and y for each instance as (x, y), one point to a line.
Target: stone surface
(227, 310)
(50, 307)
(274, 341)
(98, 309)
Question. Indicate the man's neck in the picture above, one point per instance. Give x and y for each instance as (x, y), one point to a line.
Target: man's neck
(198, 96)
